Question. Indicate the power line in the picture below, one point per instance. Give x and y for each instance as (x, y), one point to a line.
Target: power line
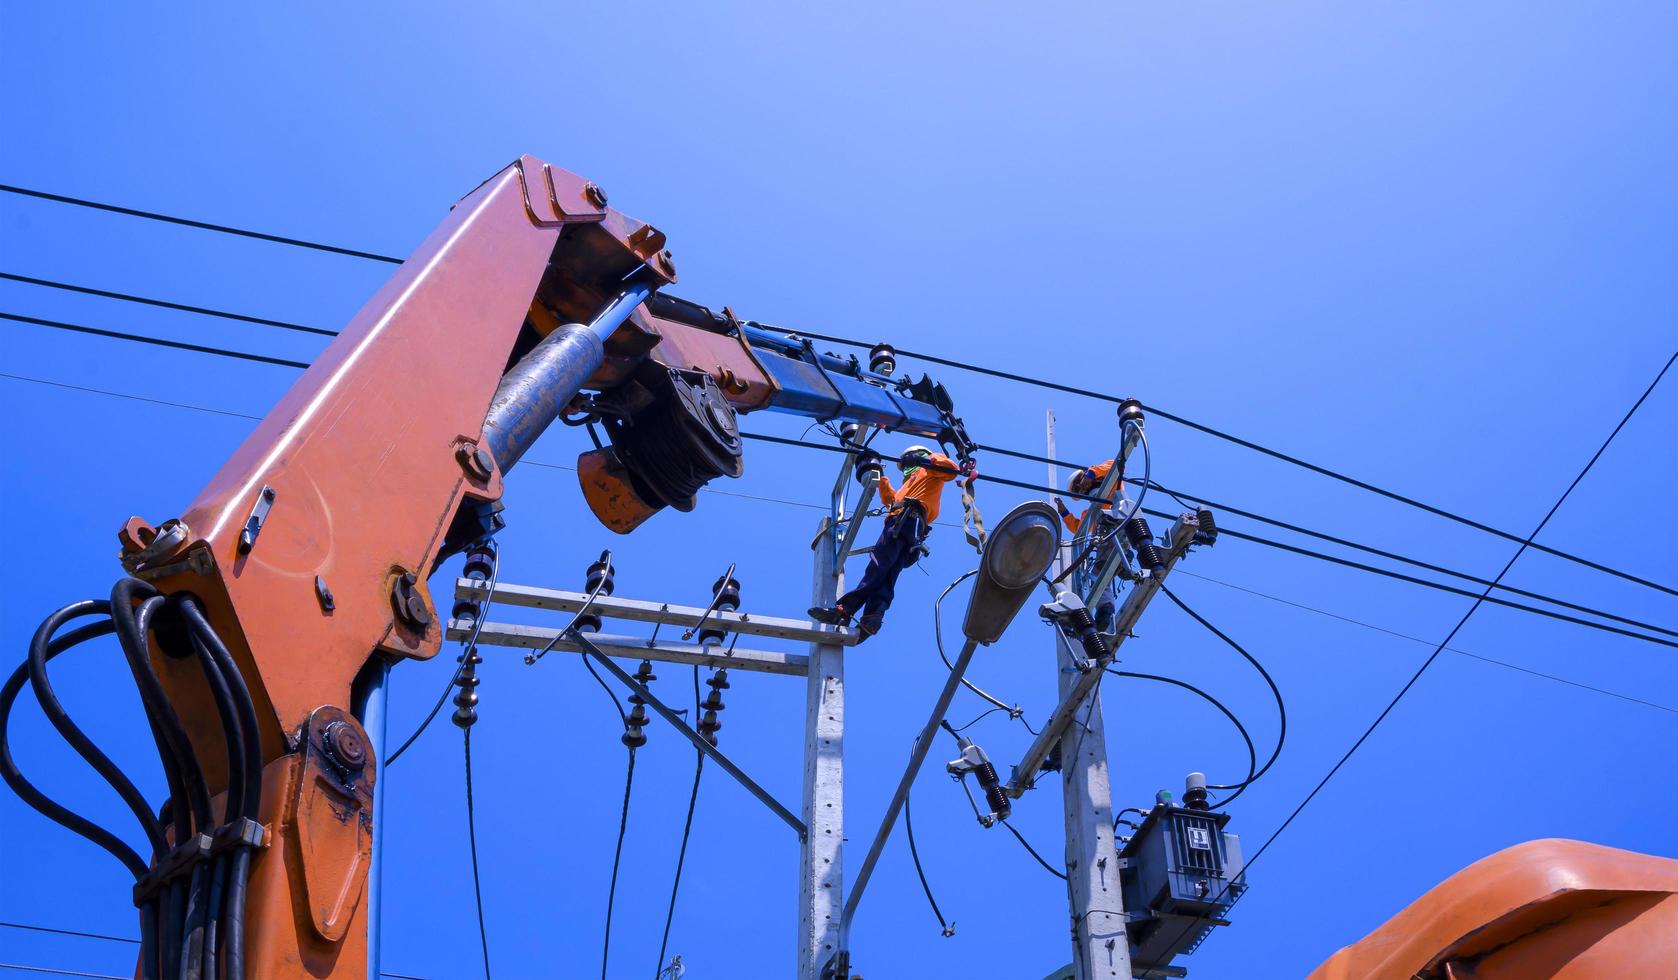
(915, 854)
(947, 362)
(1036, 488)
(153, 341)
(687, 829)
(167, 305)
(1256, 539)
(1440, 648)
(70, 932)
(1281, 707)
(985, 477)
(191, 223)
(1416, 639)
(1246, 444)
(617, 856)
(799, 503)
(61, 973)
(1393, 556)
(472, 840)
(1252, 755)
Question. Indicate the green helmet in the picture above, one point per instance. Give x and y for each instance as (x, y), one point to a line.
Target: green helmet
(905, 462)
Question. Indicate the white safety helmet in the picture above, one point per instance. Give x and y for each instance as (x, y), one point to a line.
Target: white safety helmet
(903, 462)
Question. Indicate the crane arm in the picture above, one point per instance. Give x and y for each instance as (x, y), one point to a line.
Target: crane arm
(300, 570)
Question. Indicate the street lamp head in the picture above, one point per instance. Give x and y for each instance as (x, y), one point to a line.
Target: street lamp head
(1017, 554)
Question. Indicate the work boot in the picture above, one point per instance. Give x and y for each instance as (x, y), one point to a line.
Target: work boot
(830, 615)
(868, 626)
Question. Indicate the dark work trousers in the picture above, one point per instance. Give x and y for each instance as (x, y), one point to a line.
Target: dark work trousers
(895, 551)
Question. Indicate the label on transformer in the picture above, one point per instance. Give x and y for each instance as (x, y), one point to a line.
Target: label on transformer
(1200, 838)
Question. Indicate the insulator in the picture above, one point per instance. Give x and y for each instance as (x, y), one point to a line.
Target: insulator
(601, 575)
(867, 469)
(638, 715)
(480, 564)
(1207, 530)
(1130, 410)
(849, 432)
(882, 359)
(466, 708)
(713, 701)
(1084, 629)
(710, 723)
(727, 593)
(1194, 791)
(1142, 539)
(634, 737)
(719, 679)
(644, 673)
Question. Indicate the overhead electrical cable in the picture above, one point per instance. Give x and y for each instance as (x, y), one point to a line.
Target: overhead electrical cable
(465, 656)
(1252, 755)
(472, 840)
(191, 223)
(243, 355)
(1440, 648)
(687, 828)
(931, 359)
(1275, 692)
(167, 305)
(1416, 639)
(803, 504)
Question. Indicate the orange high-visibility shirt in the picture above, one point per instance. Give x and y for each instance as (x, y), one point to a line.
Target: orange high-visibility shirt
(1073, 522)
(925, 484)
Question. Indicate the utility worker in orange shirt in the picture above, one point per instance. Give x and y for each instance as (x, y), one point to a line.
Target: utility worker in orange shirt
(1087, 481)
(914, 507)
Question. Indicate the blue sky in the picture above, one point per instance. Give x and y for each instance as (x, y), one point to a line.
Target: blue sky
(1427, 244)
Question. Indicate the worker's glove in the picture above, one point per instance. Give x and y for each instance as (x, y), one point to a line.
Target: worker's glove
(867, 467)
(1060, 505)
(969, 468)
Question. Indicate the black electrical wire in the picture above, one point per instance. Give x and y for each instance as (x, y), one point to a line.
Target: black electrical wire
(687, 828)
(1031, 850)
(1459, 651)
(1257, 539)
(205, 225)
(982, 716)
(1440, 648)
(617, 855)
(1275, 692)
(1018, 484)
(914, 854)
(472, 842)
(167, 305)
(1252, 756)
(1393, 556)
(153, 341)
(931, 359)
(1245, 444)
(938, 642)
(471, 645)
(1437, 586)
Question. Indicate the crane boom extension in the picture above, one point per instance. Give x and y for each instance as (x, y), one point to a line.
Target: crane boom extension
(309, 552)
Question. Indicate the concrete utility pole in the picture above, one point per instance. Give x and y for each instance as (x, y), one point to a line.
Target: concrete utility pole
(820, 875)
(1100, 946)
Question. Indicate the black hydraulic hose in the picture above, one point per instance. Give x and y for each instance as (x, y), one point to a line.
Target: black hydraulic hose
(71, 733)
(212, 921)
(231, 735)
(45, 805)
(197, 910)
(233, 922)
(189, 794)
(243, 705)
(249, 749)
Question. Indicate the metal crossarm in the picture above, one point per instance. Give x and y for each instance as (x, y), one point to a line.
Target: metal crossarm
(635, 648)
(642, 611)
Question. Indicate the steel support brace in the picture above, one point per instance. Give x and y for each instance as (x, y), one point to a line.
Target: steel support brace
(821, 883)
(698, 740)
